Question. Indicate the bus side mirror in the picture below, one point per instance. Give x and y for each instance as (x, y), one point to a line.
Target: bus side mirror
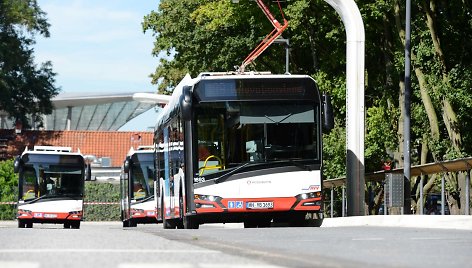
(16, 164)
(186, 103)
(328, 116)
(126, 165)
(88, 172)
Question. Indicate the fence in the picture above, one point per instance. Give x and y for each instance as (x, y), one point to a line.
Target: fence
(427, 202)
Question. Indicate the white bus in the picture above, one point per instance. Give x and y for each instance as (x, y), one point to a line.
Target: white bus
(137, 187)
(50, 186)
(242, 148)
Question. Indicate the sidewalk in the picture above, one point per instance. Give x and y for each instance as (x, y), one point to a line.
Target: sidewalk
(460, 222)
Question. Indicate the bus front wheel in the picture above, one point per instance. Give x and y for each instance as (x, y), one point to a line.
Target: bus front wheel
(75, 225)
(167, 224)
(191, 223)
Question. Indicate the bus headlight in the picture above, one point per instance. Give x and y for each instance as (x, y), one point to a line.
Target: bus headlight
(23, 213)
(137, 212)
(309, 195)
(75, 214)
(202, 197)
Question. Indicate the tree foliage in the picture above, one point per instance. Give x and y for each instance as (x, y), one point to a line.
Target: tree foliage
(215, 35)
(25, 88)
(8, 189)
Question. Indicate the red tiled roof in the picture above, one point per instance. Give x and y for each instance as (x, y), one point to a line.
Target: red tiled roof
(113, 144)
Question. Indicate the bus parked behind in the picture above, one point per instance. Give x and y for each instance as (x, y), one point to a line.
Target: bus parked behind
(50, 186)
(137, 187)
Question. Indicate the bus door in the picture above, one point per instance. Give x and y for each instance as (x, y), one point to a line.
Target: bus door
(167, 188)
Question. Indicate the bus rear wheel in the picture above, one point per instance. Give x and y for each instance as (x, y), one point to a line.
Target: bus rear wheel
(21, 224)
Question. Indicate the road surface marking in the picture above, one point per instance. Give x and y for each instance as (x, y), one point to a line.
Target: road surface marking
(18, 264)
(194, 265)
(105, 250)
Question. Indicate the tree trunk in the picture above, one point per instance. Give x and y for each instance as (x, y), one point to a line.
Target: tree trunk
(428, 105)
(448, 113)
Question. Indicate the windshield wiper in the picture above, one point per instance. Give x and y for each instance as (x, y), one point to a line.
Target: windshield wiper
(39, 198)
(287, 116)
(145, 199)
(226, 175)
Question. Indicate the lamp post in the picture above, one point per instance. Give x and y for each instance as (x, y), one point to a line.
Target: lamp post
(406, 122)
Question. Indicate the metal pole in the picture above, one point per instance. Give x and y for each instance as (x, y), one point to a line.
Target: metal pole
(344, 201)
(385, 197)
(287, 46)
(355, 114)
(443, 196)
(407, 123)
(467, 193)
(332, 201)
(421, 194)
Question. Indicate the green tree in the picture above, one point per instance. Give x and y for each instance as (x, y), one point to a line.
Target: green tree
(8, 189)
(215, 35)
(25, 88)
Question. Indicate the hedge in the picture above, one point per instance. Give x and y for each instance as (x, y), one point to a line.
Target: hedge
(102, 192)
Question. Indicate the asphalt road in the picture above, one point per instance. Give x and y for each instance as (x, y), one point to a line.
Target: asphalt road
(109, 245)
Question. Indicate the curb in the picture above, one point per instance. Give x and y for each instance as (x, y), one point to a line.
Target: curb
(460, 222)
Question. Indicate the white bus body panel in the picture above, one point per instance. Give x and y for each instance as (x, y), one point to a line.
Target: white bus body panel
(286, 184)
(53, 206)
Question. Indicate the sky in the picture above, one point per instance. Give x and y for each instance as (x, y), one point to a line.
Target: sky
(99, 46)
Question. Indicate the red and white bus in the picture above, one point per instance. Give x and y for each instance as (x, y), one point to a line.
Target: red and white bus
(242, 148)
(51, 186)
(137, 187)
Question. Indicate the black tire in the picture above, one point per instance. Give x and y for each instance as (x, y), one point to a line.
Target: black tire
(125, 223)
(180, 221)
(250, 223)
(132, 223)
(299, 220)
(317, 223)
(190, 222)
(66, 225)
(29, 225)
(21, 224)
(75, 225)
(166, 224)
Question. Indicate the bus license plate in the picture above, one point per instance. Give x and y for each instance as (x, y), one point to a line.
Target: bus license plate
(259, 205)
(48, 215)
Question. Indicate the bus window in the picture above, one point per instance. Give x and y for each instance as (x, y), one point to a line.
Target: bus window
(29, 184)
(139, 191)
(210, 137)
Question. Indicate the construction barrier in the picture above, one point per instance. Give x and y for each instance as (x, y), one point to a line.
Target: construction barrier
(85, 203)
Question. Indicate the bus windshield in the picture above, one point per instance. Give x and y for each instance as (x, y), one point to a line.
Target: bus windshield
(42, 180)
(143, 181)
(232, 133)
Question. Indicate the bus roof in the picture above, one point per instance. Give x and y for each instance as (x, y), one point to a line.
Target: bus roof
(173, 106)
(141, 149)
(51, 150)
